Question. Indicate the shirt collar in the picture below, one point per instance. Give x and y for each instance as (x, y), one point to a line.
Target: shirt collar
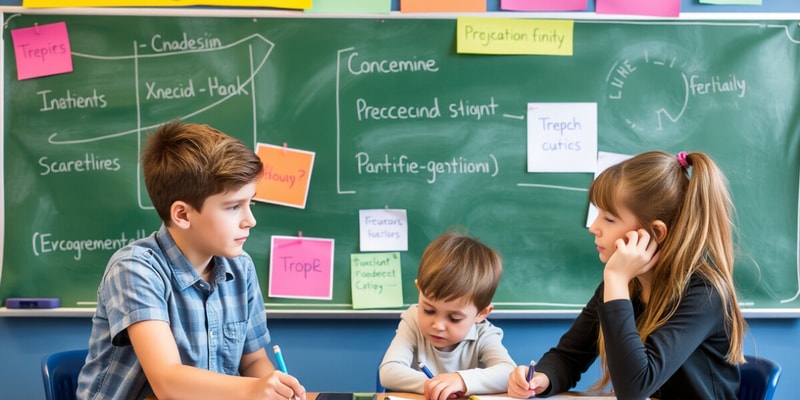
(185, 275)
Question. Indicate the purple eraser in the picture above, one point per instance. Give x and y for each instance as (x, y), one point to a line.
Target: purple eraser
(33, 302)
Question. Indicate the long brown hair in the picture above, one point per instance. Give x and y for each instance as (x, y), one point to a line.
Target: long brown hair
(690, 195)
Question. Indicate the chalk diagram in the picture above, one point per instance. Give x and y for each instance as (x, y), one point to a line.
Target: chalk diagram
(648, 89)
(643, 103)
(219, 88)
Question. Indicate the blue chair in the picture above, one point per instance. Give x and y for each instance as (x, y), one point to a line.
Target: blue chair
(60, 374)
(378, 387)
(759, 377)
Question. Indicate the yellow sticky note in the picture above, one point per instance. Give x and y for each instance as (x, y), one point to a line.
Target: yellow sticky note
(295, 4)
(514, 36)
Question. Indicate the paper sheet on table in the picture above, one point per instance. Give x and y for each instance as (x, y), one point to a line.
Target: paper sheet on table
(499, 397)
(556, 396)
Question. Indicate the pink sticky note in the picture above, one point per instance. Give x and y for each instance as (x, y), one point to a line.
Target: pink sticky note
(42, 50)
(543, 5)
(301, 267)
(438, 6)
(655, 8)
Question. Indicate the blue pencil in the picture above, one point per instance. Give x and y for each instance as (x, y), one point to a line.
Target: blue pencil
(425, 369)
(279, 357)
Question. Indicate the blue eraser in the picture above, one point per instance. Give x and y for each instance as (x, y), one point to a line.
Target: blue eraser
(33, 302)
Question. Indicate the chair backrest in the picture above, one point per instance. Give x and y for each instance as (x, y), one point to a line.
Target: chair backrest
(60, 374)
(759, 377)
(378, 387)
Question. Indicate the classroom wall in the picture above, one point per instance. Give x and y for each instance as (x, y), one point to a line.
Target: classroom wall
(343, 354)
(347, 356)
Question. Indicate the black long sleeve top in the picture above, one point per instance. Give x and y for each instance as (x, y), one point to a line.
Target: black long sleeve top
(683, 359)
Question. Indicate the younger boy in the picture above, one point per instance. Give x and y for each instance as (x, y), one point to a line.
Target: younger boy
(180, 313)
(448, 330)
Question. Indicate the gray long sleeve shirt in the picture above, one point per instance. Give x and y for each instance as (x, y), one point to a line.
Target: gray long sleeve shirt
(481, 359)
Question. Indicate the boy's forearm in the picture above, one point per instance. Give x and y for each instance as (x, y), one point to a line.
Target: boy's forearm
(197, 383)
(256, 366)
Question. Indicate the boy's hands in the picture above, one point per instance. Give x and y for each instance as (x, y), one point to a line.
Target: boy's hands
(444, 386)
(519, 387)
(279, 386)
(158, 354)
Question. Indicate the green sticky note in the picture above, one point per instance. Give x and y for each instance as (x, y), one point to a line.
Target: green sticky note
(363, 396)
(351, 6)
(744, 2)
(375, 280)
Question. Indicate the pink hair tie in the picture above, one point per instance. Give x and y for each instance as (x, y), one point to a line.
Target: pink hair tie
(682, 159)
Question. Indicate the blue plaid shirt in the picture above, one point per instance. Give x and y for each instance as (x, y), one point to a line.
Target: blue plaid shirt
(150, 279)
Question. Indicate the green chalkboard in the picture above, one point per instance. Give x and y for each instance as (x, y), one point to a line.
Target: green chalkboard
(71, 141)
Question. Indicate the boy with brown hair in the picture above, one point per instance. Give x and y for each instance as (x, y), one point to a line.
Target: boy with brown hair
(180, 313)
(447, 330)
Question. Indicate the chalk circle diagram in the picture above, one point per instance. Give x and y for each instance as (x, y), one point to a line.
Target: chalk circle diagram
(647, 89)
(223, 84)
(647, 92)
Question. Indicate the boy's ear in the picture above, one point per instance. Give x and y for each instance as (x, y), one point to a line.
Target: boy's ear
(660, 229)
(179, 214)
(482, 314)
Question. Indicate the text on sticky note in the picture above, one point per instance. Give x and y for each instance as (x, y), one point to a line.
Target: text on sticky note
(514, 36)
(42, 50)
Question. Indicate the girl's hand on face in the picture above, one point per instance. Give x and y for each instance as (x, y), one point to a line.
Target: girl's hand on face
(636, 254)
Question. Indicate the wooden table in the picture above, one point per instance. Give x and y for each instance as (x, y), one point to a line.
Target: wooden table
(415, 396)
(501, 396)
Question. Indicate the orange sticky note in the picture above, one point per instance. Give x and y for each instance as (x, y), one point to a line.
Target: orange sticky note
(287, 175)
(42, 50)
(425, 6)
